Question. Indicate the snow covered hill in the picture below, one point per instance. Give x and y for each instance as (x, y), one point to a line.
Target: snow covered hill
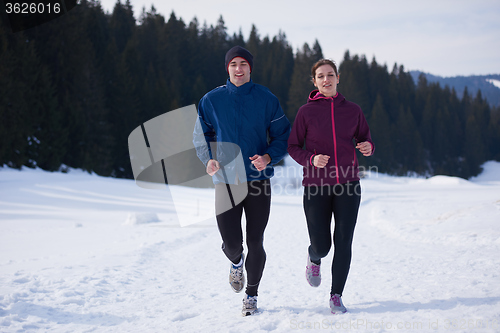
(82, 253)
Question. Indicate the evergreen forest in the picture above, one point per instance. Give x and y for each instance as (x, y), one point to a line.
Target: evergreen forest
(73, 89)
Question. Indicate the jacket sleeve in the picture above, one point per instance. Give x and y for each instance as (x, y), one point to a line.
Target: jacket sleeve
(363, 132)
(204, 131)
(279, 130)
(297, 139)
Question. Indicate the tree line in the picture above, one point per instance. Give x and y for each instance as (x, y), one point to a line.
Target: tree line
(421, 128)
(73, 89)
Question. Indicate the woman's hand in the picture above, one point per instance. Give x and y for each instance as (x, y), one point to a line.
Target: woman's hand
(365, 148)
(320, 161)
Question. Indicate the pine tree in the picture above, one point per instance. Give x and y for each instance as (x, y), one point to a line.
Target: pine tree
(428, 115)
(393, 102)
(17, 61)
(441, 144)
(125, 110)
(420, 99)
(378, 82)
(122, 24)
(216, 50)
(353, 80)
(276, 65)
(253, 43)
(301, 84)
(407, 145)
(382, 134)
(493, 134)
(474, 149)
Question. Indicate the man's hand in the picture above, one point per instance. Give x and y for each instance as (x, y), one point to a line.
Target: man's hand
(260, 162)
(212, 167)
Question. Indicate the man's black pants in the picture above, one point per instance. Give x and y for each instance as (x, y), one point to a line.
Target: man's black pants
(257, 206)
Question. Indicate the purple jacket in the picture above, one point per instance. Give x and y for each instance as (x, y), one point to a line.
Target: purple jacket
(333, 127)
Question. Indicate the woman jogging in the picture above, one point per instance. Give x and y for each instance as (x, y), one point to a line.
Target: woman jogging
(325, 135)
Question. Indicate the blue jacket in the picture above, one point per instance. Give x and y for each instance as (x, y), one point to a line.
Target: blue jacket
(251, 118)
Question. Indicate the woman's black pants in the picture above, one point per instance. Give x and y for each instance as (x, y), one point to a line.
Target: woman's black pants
(319, 203)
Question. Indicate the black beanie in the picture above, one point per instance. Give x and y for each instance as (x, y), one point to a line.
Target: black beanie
(239, 51)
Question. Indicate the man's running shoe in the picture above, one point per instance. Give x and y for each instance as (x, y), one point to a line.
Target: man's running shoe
(249, 305)
(237, 276)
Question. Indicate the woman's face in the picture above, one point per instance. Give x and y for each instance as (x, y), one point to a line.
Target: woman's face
(326, 80)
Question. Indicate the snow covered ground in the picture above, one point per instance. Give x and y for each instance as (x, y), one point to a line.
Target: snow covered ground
(82, 253)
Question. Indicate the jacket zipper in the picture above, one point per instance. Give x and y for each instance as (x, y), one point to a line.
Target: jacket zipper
(335, 142)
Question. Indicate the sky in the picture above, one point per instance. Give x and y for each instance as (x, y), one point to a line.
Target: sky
(441, 37)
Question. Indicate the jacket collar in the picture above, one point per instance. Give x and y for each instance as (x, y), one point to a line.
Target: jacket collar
(244, 89)
(316, 95)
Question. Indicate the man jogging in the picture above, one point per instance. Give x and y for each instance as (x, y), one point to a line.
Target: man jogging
(241, 118)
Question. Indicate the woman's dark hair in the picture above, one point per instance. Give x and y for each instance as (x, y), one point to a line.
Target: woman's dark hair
(320, 63)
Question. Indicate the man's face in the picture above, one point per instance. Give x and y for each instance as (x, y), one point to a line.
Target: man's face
(239, 71)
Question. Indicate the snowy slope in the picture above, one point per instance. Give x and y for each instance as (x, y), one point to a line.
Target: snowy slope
(82, 253)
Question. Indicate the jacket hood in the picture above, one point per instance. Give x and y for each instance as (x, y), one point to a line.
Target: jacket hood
(315, 95)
